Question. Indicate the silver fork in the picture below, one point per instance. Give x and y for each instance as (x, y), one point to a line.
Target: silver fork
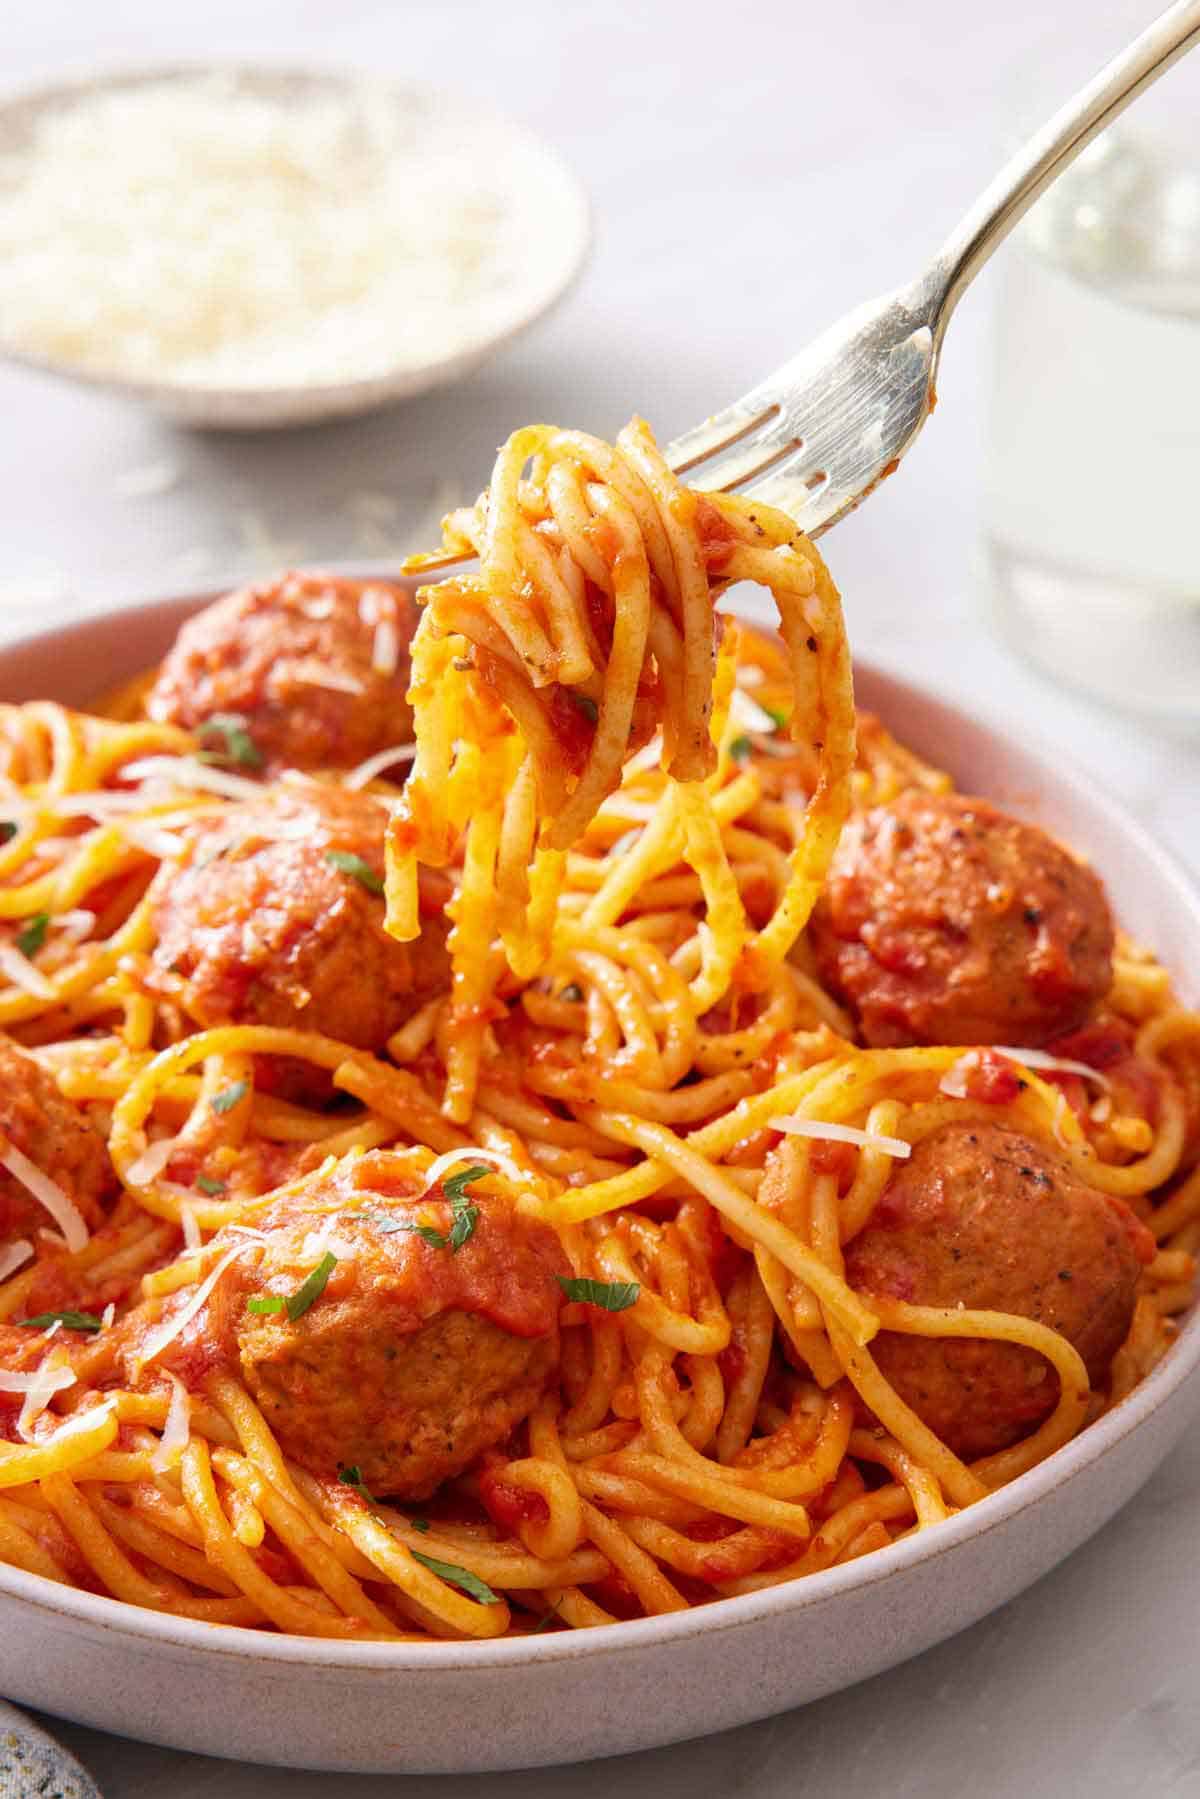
(815, 437)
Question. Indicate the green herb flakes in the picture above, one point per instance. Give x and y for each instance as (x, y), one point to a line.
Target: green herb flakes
(352, 1477)
(229, 1097)
(312, 1288)
(351, 864)
(31, 938)
(610, 1296)
(71, 1321)
(453, 1188)
(458, 1577)
(297, 1303)
(233, 730)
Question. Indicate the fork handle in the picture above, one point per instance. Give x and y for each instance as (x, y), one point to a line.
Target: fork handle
(1048, 152)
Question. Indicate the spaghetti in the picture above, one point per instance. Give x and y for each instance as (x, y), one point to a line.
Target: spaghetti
(602, 1203)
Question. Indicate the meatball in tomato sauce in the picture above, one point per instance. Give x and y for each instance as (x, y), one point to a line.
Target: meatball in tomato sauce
(417, 1355)
(50, 1131)
(983, 1217)
(314, 668)
(945, 921)
(275, 917)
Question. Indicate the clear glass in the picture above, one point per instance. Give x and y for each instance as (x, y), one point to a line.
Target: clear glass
(1092, 480)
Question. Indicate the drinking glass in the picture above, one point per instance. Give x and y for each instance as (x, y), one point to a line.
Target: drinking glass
(1092, 476)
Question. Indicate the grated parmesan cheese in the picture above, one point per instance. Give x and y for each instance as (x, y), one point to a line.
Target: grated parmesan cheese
(144, 834)
(385, 650)
(76, 924)
(187, 771)
(156, 1340)
(1041, 1059)
(202, 229)
(48, 1193)
(14, 1256)
(149, 1165)
(792, 1126)
(749, 715)
(494, 1158)
(312, 672)
(41, 1386)
(176, 1428)
(32, 1381)
(375, 765)
(22, 973)
(954, 1082)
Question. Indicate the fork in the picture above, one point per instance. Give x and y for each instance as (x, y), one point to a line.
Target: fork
(820, 433)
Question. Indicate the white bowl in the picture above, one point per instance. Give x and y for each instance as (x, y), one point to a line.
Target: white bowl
(458, 1707)
(547, 216)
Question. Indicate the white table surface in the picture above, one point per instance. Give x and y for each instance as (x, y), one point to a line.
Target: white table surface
(748, 187)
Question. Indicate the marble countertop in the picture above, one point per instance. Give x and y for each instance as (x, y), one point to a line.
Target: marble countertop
(747, 189)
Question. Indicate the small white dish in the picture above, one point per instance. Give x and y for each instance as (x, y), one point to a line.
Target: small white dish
(545, 234)
(455, 1707)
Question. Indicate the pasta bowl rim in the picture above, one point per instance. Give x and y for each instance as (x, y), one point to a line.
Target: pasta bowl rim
(182, 1637)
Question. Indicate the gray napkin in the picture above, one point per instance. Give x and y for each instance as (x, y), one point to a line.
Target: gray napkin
(33, 1766)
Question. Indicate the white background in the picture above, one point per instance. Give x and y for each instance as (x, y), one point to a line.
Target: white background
(755, 170)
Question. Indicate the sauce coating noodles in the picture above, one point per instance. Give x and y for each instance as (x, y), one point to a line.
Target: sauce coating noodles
(599, 1181)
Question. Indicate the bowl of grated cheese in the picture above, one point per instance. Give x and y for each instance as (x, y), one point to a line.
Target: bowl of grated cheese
(253, 247)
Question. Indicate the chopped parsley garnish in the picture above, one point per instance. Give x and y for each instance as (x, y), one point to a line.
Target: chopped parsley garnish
(207, 1185)
(587, 706)
(572, 993)
(463, 1215)
(31, 939)
(297, 1303)
(352, 1477)
(71, 1321)
(229, 1097)
(778, 717)
(544, 1623)
(8, 830)
(740, 749)
(458, 1577)
(427, 1232)
(454, 1187)
(351, 864)
(610, 1296)
(240, 747)
(466, 1217)
(263, 1305)
(421, 1524)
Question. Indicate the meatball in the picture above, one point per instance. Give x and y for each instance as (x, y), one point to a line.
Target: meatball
(52, 1132)
(275, 917)
(983, 1217)
(416, 1356)
(945, 921)
(305, 663)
